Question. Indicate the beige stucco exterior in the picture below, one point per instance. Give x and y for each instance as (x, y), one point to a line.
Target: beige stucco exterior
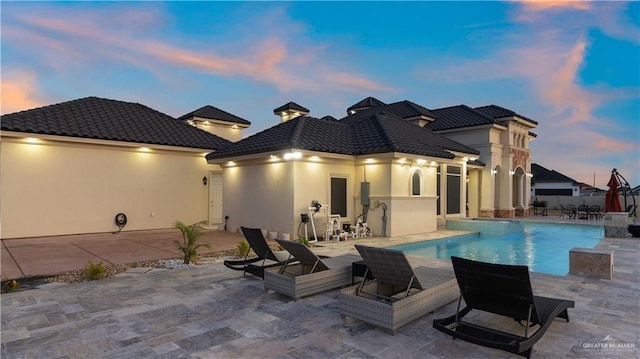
(227, 130)
(502, 187)
(59, 185)
(266, 191)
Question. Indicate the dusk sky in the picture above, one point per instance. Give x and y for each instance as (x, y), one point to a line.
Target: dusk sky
(571, 66)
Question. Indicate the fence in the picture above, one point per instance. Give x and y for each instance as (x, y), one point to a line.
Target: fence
(554, 202)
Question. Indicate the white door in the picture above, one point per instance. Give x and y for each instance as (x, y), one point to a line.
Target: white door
(215, 198)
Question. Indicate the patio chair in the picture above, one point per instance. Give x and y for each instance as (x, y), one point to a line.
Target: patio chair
(265, 257)
(571, 211)
(312, 274)
(583, 211)
(399, 294)
(504, 290)
(595, 212)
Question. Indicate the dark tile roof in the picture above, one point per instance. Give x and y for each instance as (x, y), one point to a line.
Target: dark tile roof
(329, 118)
(305, 133)
(290, 106)
(365, 104)
(497, 112)
(378, 133)
(104, 119)
(214, 113)
(541, 174)
(458, 117)
(403, 109)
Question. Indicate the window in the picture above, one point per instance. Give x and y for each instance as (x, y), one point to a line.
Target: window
(338, 196)
(416, 180)
(453, 189)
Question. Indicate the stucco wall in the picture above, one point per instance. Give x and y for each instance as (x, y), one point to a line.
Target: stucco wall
(223, 130)
(55, 188)
(260, 196)
(313, 182)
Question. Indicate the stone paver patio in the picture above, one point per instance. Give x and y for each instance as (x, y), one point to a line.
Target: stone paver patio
(209, 311)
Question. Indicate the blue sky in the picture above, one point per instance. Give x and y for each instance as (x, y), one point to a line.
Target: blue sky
(571, 66)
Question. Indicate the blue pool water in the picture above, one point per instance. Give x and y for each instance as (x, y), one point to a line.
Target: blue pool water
(542, 247)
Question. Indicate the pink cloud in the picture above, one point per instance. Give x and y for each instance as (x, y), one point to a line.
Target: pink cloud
(542, 5)
(18, 92)
(271, 57)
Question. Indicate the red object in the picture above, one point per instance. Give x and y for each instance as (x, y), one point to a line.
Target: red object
(612, 200)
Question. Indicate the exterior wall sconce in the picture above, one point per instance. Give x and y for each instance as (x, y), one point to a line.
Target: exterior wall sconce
(205, 180)
(292, 155)
(494, 171)
(420, 162)
(512, 172)
(529, 174)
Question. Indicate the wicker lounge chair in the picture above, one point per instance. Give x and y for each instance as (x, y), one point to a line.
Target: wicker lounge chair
(265, 257)
(504, 290)
(312, 274)
(400, 294)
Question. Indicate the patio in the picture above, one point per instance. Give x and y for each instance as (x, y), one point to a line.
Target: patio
(209, 311)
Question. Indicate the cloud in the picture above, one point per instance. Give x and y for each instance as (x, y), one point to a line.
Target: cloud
(267, 55)
(545, 5)
(18, 92)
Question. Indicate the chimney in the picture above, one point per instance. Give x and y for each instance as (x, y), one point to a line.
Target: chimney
(290, 111)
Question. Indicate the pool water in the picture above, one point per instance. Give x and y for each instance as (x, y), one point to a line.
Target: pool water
(544, 248)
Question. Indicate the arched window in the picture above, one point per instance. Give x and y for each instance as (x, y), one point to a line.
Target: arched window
(416, 183)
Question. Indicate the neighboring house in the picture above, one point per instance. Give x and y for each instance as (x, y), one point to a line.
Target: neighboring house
(71, 167)
(588, 190)
(551, 183)
(400, 167)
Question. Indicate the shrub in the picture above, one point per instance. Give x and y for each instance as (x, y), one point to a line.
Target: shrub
(189, 245)
(95, 271)
(304, 241)
(11, 286)
(243, 248)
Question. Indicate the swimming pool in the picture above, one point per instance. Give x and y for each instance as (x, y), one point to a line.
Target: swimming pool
(543, 247)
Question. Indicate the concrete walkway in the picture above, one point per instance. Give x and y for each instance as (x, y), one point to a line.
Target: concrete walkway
(47, 256)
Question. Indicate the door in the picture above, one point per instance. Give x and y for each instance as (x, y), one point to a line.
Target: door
(215, 198)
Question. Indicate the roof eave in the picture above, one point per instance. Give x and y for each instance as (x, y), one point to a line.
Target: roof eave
(95, 141)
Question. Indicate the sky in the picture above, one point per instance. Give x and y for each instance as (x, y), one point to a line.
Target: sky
(573, 67)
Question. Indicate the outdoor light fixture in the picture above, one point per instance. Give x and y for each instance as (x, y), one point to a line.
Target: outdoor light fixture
(421, 162)
(292, 155)
(433, 164)
(205, 180)
(512, 172)
(529, 174)
(494, 171)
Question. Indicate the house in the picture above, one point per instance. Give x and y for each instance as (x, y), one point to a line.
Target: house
(547, 182)
(399, 167)
(71, 167)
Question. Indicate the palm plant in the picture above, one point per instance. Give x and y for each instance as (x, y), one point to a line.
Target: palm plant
(189, 245)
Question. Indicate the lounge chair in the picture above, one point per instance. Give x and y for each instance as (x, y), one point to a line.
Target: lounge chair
(504, 290)
(265, 257)
(312, 274)
(399, 294)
